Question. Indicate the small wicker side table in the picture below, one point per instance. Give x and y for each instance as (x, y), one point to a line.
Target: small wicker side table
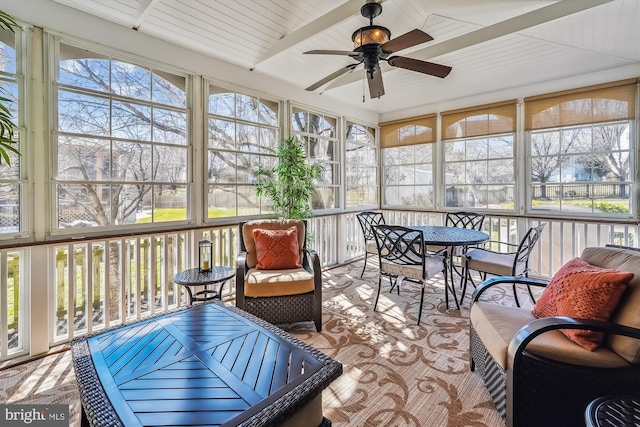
(613, 411)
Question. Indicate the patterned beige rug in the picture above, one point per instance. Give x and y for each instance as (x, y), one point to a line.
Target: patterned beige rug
(395, 372)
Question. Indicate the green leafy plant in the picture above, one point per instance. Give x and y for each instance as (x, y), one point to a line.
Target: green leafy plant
(6, 124)
(289, 185)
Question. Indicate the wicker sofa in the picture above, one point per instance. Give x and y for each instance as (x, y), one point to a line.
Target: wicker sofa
(535, 375)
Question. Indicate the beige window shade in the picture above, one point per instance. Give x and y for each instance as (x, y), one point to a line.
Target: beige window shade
(481, 120)
(414, 130)
(593, 104)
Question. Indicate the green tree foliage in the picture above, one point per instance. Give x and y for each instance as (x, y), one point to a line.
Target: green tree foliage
(290, 185)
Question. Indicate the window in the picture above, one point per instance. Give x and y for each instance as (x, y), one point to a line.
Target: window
(581, 155)
(122, 142)
(242, 131)
(362, 166)
(407, 158)
(12, 184)
(479, 158)
(319, 134)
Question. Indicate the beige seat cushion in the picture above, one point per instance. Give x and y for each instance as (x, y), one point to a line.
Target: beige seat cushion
(628, 311)
(372, 248)
(490, 262)
(496, 325)
(271, 283)
(434, 265)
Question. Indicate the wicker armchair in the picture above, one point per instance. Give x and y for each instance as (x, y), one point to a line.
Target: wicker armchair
(279, 296)
(535, 375)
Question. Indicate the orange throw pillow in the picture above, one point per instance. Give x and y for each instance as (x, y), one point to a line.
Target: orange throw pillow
(277, 249)
(582, 290)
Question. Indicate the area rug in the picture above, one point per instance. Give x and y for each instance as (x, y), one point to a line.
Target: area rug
(396, 373)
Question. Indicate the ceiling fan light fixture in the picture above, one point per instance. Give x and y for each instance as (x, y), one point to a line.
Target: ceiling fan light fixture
(371, 34)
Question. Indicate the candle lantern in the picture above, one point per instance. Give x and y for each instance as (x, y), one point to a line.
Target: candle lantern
(204, 255)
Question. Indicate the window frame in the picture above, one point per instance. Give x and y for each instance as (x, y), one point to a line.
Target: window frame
(206, 148)
(21, 134)
(154, 67)
(375, 145)
(339, 151)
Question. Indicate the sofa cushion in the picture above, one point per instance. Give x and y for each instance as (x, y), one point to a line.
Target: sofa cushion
(496, 325)
(269, 224)
(271, 283)
(583, 291)
(627, 312)
(277, 249)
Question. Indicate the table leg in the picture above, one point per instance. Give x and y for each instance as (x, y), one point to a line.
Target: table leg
(450, 282)
(190, 295)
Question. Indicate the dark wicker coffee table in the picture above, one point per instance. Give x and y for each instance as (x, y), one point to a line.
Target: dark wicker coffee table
(208, 364)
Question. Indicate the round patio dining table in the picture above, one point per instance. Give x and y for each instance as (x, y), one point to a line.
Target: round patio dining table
(451, 237)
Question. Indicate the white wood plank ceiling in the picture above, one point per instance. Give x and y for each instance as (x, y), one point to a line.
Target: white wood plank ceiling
(492, 45)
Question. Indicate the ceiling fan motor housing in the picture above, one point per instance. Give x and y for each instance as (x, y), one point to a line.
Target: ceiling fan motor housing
(371, 10)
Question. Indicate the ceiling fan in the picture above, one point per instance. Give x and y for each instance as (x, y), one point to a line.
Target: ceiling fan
(373, 44)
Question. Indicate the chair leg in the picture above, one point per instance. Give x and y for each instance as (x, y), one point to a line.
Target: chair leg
(467, 278)
(421, 303)
(366, 255)
(515, 295)
(452, 288)
(375, 305)
(533, 298)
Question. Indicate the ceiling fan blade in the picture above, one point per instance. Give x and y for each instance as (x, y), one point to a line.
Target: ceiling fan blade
(376, 88)
(405, 41)
(331, 76)
(333, 52)
(425, 67)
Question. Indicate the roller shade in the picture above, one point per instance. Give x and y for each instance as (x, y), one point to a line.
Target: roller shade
(410, 131)
(592, 104)
(489, 119)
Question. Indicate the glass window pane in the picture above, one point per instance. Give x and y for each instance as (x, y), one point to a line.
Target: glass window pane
(83, 114)
(222, 167)
(268, 112)
(170, 164)
(222, 134)
(7, 51)
(169, 126)
(9, 208)
(84, 159)
(131, 121)
(131, 161)
(169, 89)
(169, 203)
(83, 205)
(221, 201)
(221, 102)
(130, 80)
(82, 68)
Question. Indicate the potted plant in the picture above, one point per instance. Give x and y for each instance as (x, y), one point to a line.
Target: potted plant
(6, 124)
(290, 184)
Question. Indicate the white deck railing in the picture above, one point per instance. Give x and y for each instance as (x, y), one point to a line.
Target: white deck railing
(51, 293)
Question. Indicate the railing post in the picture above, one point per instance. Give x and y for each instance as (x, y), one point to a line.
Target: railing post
(38, 276)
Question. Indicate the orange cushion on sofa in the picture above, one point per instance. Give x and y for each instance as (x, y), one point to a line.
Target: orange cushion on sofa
(277, 249)
(582, 290)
